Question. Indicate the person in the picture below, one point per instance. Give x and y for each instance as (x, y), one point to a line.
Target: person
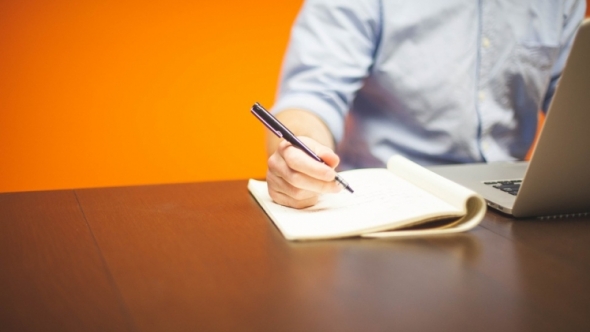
(439, 82)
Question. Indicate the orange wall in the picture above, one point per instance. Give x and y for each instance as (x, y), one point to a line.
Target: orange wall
(108, 93)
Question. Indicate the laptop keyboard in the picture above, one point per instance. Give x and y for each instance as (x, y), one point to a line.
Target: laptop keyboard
(509, 186)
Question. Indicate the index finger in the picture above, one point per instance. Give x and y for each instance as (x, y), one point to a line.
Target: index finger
(299, 161)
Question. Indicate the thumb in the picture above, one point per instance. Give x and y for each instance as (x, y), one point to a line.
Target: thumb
(324, 152)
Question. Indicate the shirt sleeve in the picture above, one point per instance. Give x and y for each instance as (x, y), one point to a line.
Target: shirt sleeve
(331, 50)
(574, 16)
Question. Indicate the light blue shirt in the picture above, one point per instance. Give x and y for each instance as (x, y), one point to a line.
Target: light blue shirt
(450, 81)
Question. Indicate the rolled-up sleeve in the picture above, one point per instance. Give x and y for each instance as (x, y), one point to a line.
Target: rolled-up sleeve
(331, 51)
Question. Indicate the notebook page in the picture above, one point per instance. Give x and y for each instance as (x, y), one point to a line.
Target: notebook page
(381, 200)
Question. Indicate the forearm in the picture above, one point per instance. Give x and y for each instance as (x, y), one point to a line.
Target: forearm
(301, 123)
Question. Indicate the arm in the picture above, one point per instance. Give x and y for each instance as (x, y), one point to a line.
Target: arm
(330, 53)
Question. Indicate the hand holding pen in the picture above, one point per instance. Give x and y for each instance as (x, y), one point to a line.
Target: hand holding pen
(296, 177)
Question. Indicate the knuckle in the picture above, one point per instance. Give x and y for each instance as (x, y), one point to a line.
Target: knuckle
(299, 194)
(297, 163)
(290, 156)
(293, 202)
(283, 146)
(276, 197)
(328, 174)
(293, 178)
(306, 203)
(272, 162)
(272, 181)
(326, 187)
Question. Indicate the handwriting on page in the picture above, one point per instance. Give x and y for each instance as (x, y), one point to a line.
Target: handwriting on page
(381, 189)
(378, 197)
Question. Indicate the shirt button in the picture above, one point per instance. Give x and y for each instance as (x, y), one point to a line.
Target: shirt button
(481, 95)
(485, 42)
(485, 146)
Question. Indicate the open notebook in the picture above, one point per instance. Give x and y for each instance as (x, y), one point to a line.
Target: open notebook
(386, 203)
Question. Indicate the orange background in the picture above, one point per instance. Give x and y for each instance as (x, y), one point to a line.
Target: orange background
(109, 93)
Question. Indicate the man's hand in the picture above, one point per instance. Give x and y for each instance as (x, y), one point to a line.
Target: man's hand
(297, 180)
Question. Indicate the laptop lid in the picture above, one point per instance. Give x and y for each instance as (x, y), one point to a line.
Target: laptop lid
(557, 180)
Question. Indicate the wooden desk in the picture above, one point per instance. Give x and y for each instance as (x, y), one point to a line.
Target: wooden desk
(204, 256)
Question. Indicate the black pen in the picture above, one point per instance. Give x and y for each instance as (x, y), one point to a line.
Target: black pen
(281, 131)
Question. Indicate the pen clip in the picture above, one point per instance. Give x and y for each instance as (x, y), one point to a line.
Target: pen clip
(276, 132)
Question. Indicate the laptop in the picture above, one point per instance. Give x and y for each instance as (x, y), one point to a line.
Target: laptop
(556, 181)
